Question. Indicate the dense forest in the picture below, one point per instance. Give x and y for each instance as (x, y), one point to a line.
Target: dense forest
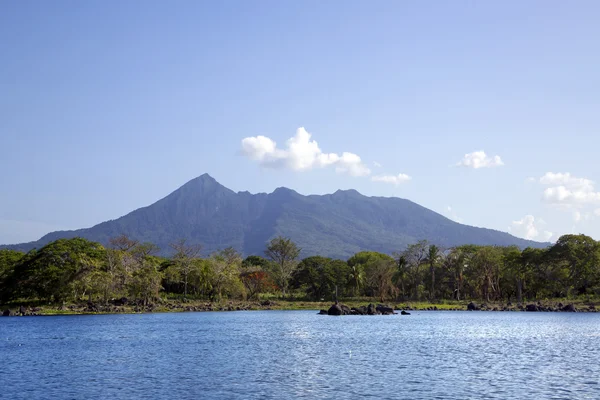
(74, 270)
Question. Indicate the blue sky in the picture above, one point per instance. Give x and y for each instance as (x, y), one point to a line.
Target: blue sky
(108, 106)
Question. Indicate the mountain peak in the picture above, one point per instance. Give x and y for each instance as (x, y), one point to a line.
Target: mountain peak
(348, 192)
(206, 178)
(337, 225)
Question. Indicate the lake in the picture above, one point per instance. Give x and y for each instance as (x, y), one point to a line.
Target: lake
(298, 354)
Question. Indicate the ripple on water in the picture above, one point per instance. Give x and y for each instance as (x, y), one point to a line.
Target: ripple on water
(297, 354)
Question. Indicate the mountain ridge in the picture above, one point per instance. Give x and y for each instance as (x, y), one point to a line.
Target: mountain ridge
(335, 225)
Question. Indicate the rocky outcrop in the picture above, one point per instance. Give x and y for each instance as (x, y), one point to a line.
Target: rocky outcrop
(335, 309)
(472, 307)
(384, 310)
(569, 308)
(531, 307)
(341, 309)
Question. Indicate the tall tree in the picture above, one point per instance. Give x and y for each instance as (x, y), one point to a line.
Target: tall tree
(184, 260)
(283, 254)
(415, 254)
(225, 266)
(433, 257)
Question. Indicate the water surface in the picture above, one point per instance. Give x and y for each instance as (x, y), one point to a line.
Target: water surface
(298, 354)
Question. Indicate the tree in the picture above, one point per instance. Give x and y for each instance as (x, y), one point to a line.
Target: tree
(183, 259)
(256, 281)
(415, 254)
(283, 254)
(379, 274)
(58, 271)
(322, 277)
(146, 280)
(401, 274)
(8, 260)
(516, 268)
(581, 255)
(486, 265)
(224, 270)
(433, 257)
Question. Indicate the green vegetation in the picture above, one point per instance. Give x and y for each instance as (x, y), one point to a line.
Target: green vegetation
(78, 271)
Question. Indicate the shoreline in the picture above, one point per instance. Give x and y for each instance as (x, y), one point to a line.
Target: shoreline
(122, 307)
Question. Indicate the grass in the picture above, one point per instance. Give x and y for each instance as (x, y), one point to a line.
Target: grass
(177, 305)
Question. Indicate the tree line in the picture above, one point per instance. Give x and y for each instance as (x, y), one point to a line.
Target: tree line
(77, 269)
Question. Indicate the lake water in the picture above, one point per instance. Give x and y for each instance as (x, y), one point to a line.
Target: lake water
(298, 354)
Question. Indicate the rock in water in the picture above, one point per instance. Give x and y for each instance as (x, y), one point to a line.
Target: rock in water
(404, 313)
(323, 312)
(472, 307)
(384, 310)
(569, 308)
(335, 310)
(531, 307)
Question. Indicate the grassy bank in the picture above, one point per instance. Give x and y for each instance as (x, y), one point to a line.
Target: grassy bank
(37, 308)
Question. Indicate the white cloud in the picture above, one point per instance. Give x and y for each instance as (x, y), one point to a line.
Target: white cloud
(566, 179)
(452, 215)
(393, 179)
(569, 191)
(478, 159)
(301, 154)
(351, 164)
(528, 228)
(377, 165)
(577, 216)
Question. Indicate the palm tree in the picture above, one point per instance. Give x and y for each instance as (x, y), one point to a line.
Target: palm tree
(400, 275)
(356, 277)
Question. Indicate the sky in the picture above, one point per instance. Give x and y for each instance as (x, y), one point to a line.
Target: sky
(485, 112)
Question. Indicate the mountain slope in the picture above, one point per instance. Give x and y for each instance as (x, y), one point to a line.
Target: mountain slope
(335, 225)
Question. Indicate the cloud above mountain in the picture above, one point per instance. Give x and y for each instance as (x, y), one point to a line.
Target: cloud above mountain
(391, 179)
(478, 159)
(566, 190)
(530, 228)
(301, 154)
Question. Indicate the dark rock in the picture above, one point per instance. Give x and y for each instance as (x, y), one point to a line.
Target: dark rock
(335, 310)
(472, 307)
(560, 305)
(362, 310)
(531, 307)
(404, 313)
(569, 308)
(371, 310)
(435, 308)
(22, 310)
(345, 310)
(322, 312)
(384, 310)
(592, 308)
(7, 313)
